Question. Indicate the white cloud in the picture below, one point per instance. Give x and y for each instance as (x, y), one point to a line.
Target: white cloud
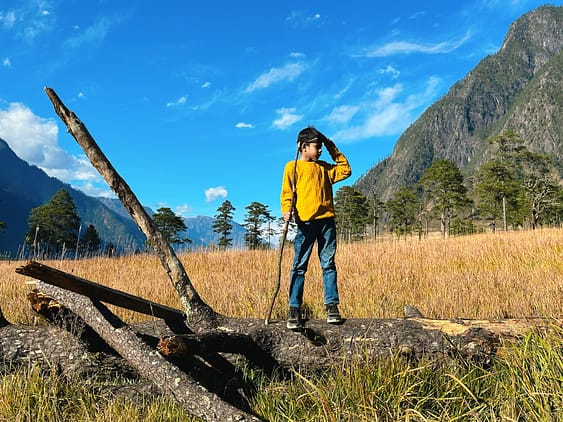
(275, 75)
(28, 20)
(287, 118)
(388, 114)
(212, 194)
(407, 47)
(342, 114)
(7, 62)
(206, 85)
(8, 19)
(389, 70)
(35, 139)
(179, 102)
(183, 210)
(242, 125)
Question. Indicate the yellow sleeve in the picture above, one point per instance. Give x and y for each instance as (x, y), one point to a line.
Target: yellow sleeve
(342, 169)
(287, 187)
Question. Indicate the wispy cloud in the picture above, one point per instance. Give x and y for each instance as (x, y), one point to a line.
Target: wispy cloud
(387, 114)
(242, 125)
(302, 19)
(7, 62)
(287, 118)
(342, 114)
(95, 34)
(389, 70)
(215, 193)
(35, 140)
(407, 47)
(28, 21)
(178, 102)
(8, 19)
(275, 75)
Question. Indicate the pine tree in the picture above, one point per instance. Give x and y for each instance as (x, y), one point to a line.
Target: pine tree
(54, 226)
(403, 209)
(352, 213)
(442, 184)
(170, 225)
(540, 189)
(223, 224)
(90, 242)
(256, 218)
(496, 186)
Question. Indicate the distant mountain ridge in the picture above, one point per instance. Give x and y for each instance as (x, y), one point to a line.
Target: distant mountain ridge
(519, 88)
(24, 186)
(199, 228)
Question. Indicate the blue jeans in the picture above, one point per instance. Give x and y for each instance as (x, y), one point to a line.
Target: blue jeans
(324, 233)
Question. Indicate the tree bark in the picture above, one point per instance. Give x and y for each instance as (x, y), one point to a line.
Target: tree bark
(199, 314)
(170, 380)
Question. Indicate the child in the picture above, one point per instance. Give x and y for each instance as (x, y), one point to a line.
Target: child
(307, 196)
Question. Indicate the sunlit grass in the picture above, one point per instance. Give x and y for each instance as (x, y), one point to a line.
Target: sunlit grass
(514, 274)
(33, 394)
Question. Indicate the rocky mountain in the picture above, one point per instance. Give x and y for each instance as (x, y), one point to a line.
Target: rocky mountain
(519, 89)
(23, 187)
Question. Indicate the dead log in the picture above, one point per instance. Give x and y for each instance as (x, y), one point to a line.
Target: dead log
(319, 345)
(170, 380)
(198, 312)
(97, 291)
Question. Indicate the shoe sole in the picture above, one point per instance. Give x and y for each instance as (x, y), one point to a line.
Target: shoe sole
(294, 325)
(334, 320)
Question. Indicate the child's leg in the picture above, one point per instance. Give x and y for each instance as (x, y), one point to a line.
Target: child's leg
(303, 246)
(327, 251)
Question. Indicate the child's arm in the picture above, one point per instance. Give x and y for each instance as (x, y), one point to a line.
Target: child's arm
(342, 169)
(286, 197)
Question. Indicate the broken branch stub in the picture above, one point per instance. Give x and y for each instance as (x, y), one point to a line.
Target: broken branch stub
(199, 314)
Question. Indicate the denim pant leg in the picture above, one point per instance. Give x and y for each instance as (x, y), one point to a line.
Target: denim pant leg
(327, 251)
(303, 246)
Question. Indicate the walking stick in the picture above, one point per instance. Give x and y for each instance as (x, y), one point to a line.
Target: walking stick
(284, 235)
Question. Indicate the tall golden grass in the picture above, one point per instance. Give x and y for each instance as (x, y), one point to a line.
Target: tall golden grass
(484, 276)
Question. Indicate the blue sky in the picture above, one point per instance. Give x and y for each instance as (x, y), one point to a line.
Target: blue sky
(198, 102)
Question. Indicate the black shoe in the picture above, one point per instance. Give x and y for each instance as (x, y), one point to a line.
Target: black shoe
(332, 314)
(294, 321)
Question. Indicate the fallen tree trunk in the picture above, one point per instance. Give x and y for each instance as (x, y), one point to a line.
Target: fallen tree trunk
(170, 380)
(76, 348)
(319, 345)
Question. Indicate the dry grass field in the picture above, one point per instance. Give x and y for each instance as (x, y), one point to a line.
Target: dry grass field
(486, 276)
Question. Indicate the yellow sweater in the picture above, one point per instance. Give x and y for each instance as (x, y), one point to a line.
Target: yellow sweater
(314, 198)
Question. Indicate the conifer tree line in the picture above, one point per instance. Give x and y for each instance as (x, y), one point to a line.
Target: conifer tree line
(514, 188)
